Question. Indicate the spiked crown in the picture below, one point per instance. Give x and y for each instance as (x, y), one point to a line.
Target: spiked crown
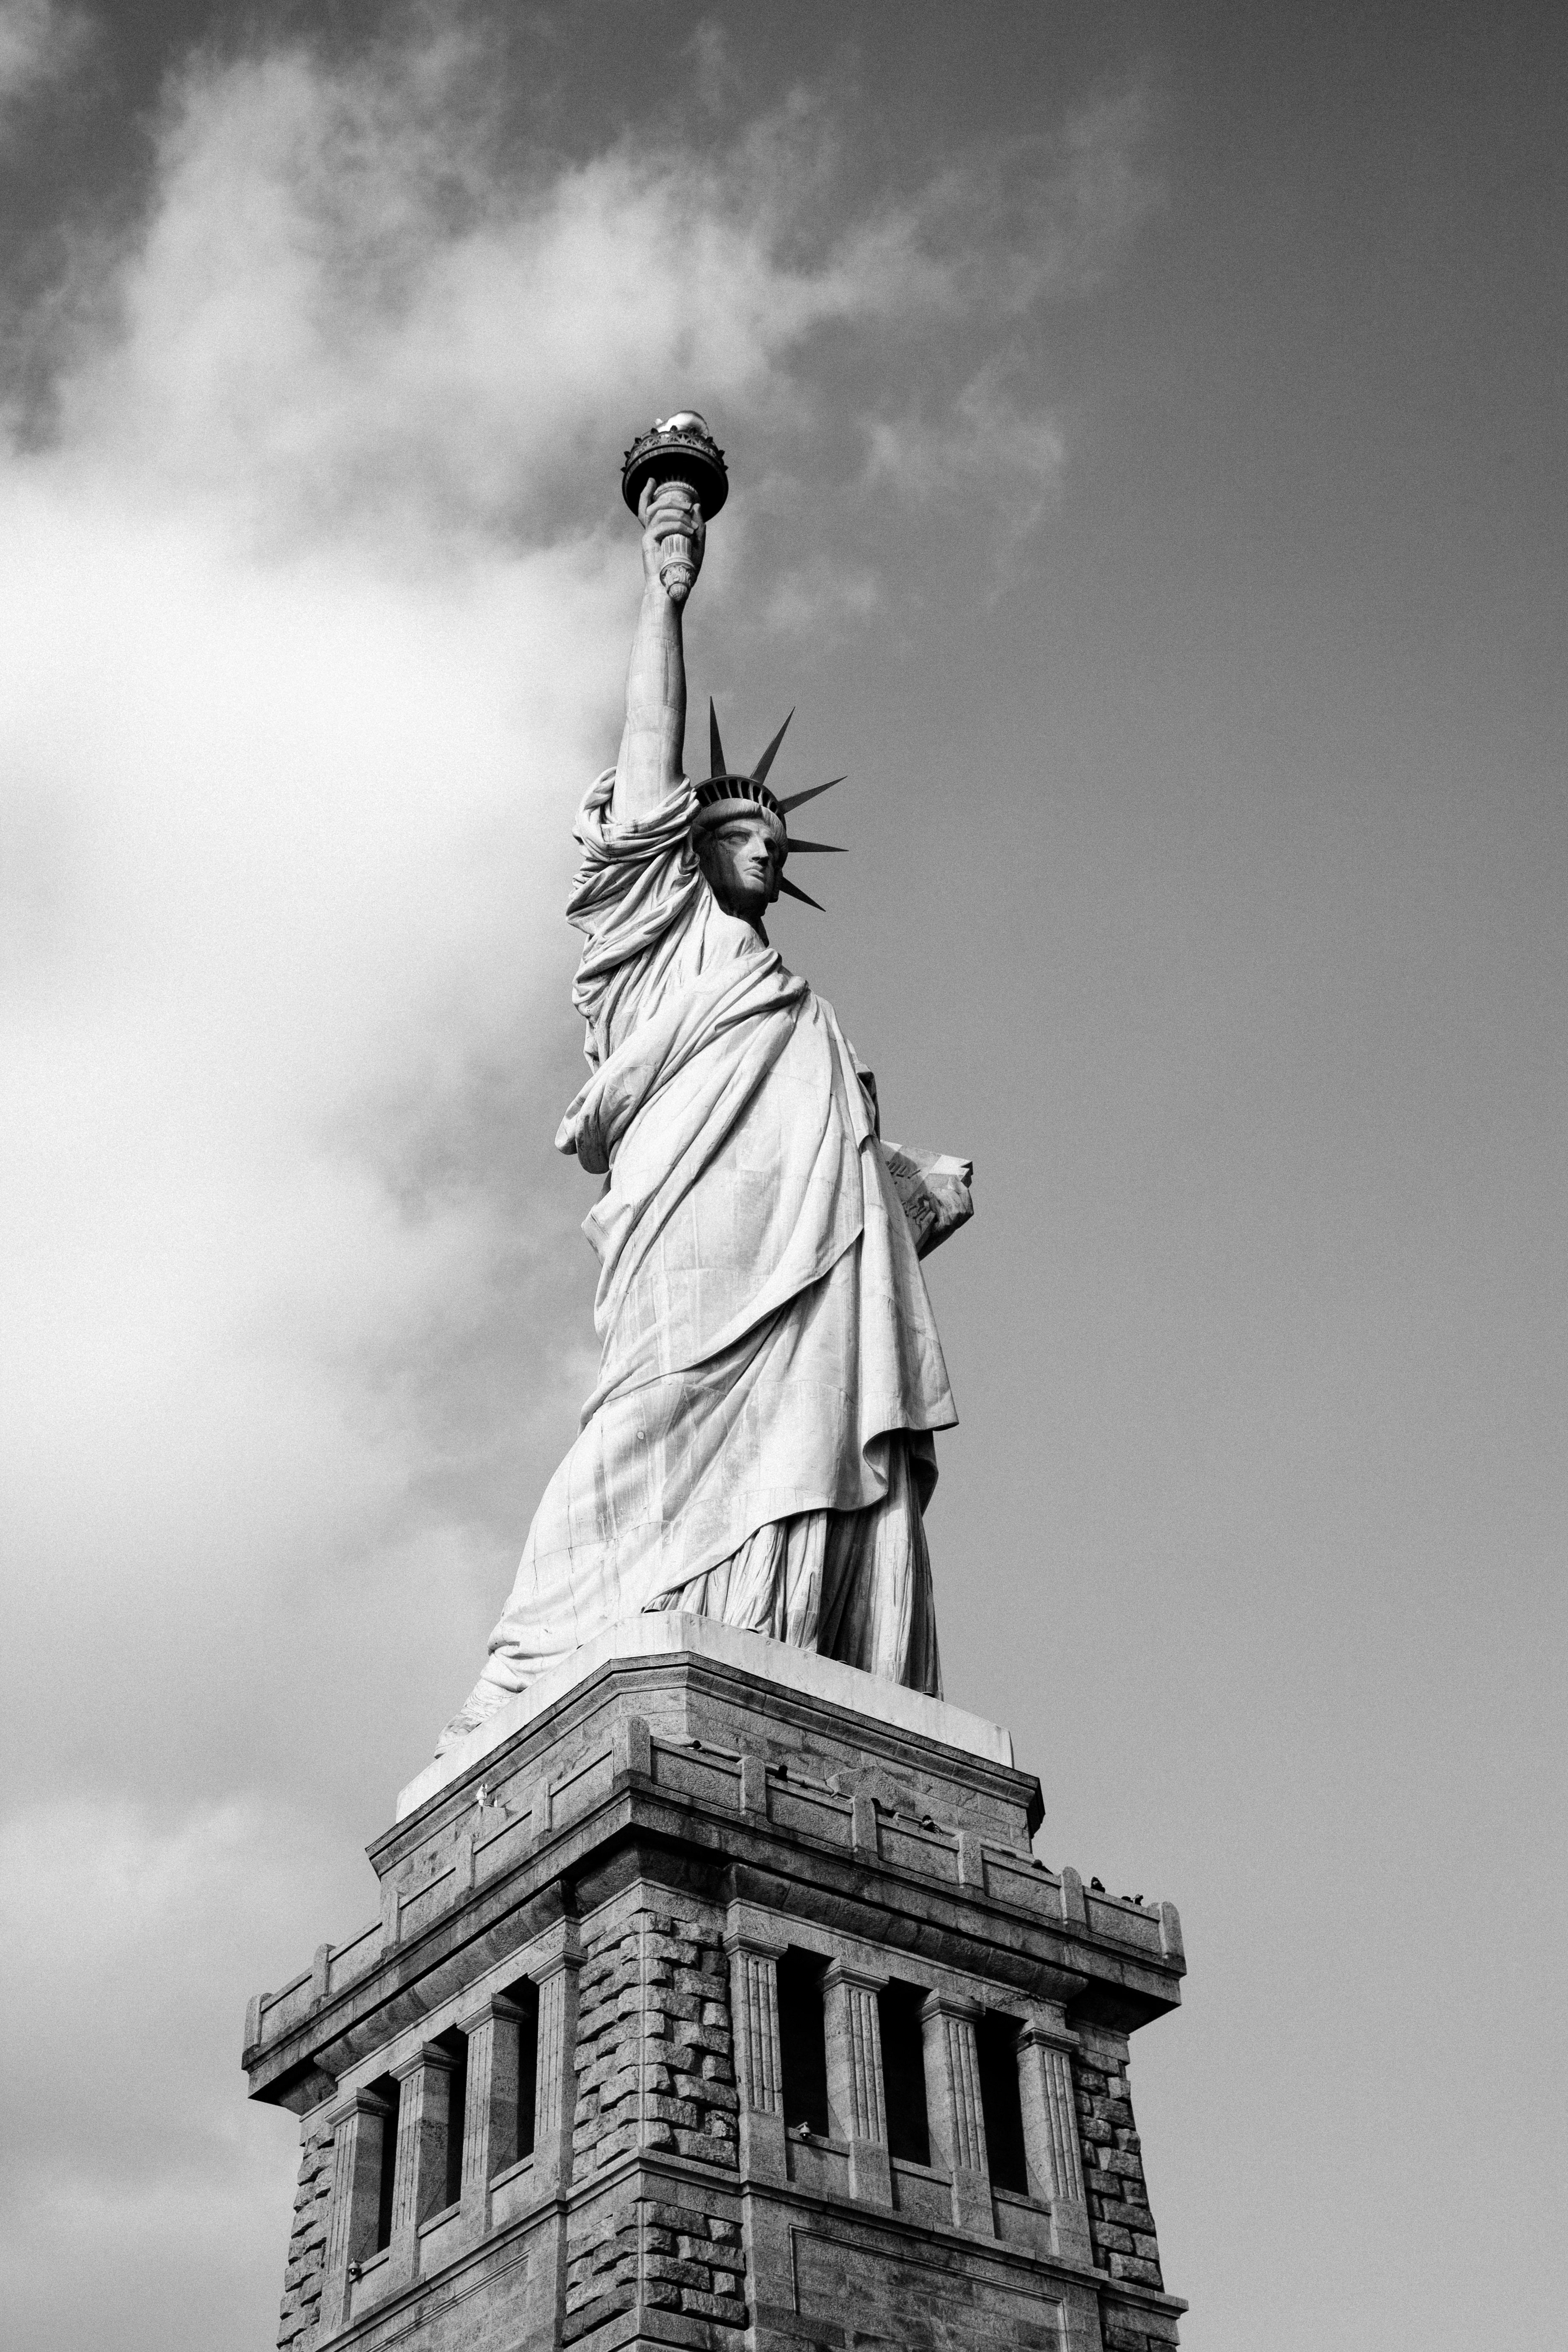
(725, 793)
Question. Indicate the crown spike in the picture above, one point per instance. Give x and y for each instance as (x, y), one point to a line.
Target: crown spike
(798, 799)
(766, 762)
(716, 749)
(795, 892)
(821, 849)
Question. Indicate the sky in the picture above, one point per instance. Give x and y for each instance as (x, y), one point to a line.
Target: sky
(1149, 483)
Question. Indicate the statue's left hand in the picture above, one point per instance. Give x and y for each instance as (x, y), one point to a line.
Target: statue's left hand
(955, 1205)
(934, 1190)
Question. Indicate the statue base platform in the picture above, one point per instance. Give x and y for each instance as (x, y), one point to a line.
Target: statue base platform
(717, 2000)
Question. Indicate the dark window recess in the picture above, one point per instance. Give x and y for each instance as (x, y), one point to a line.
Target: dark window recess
(390, 2089)
(524, 1997)
(904, 2072)
(803, 2042)
(996, 2041)
(456, 2111)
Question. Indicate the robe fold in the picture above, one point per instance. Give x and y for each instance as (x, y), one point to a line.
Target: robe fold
(758, 1443)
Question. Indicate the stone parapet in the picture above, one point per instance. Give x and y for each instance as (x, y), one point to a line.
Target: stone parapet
(660, 1634)
(705, 2010)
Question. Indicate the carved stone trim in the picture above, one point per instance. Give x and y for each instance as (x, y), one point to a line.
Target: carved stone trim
(359, 2122)
(759, 2061)
(1050, 2137)
(856, 2097)
(957, 2115)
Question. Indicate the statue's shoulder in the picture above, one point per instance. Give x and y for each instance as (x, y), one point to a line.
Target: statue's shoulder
(594, 808)
(603, 834)
(636, 883)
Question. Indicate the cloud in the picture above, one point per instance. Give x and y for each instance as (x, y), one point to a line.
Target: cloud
(38, 42)
(357, 307)
(117, 2159)
(123, 1891)
(988, 445)
(312, 644)
(312, 634)
(363, 302)
(808, 596)
(1050, 215)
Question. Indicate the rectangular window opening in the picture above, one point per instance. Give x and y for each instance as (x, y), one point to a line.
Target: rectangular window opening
(904, 2072)
(997, 2046)
(456, 2042)
(390, 2089)
(524, 1998)
(803, 2042)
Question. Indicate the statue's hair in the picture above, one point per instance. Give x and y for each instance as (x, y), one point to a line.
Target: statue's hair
(722, 799)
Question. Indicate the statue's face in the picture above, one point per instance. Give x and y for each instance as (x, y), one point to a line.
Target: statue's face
(743, 861)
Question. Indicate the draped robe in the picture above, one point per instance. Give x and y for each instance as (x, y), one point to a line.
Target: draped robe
(758, 1445)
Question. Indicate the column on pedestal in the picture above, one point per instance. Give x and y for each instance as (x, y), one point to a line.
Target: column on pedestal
(856, 2102)
(489, 2123)
(359, 2127)
(553, 1970)
(419, 2182)
(759, 2061)
(953, 2101)
(1050, 2136)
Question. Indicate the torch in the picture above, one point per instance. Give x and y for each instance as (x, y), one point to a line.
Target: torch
(679, 449)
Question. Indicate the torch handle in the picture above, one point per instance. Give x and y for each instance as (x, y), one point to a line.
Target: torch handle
(676, 569)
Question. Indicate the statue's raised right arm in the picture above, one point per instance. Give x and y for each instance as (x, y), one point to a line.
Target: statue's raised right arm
(649, 769)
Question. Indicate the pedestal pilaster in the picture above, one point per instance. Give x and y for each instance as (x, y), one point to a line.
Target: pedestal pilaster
(419, 2182)
(759, 2066)
(554, 1972)
(491, 2117)
(1050, 2137)
(953, 2106)
(359, 2124)
(856, 2102)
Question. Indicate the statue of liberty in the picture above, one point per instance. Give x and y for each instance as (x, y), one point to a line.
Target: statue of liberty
(759, 1446)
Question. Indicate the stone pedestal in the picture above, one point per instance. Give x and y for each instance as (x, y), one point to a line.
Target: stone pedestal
(717, 2000)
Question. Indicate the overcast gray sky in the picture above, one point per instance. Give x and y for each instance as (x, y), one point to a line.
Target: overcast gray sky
(1149, 482)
